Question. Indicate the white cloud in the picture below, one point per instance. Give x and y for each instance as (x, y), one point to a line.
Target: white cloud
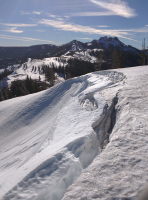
(84, 38)
(13, 30)
(61, 25)
(51, 15)
(134, 30)
(57, 17)
(36, 12)
(93, 14)
(103, 26)
(18, 25)
(116, 7)
(27, 39)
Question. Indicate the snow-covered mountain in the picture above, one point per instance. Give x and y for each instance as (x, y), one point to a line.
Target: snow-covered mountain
(104, 51)
(110, 41)
(114, 42)
(34, 67)
(85, 138)
(17, 55)
(102, 43)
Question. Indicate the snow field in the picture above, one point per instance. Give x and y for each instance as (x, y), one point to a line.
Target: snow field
(50, 137)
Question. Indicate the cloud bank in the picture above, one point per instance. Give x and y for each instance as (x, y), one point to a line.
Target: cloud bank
(115, 7)
(18, 25)
(61, 25)
(27, 39)
(13, 30)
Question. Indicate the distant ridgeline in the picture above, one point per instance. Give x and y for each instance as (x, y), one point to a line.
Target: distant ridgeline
(25, 70)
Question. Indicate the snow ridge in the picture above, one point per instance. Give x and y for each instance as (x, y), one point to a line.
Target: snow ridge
(63, 153)
(121, 171)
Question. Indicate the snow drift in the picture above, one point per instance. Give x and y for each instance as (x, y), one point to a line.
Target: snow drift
(49, 139)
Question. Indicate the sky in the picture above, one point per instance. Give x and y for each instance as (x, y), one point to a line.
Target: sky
(31, 22)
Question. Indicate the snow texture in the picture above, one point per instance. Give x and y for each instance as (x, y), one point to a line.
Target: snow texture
(121, 170)
(83, 139)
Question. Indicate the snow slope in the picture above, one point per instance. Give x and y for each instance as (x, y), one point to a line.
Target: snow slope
(34, 67)
(49, 139)
(121, 170)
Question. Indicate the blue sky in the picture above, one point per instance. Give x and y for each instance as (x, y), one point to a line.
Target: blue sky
(30, 22)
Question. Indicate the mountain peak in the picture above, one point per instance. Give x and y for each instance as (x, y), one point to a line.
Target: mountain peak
(107, 38)
(110, 41)
(76, 45)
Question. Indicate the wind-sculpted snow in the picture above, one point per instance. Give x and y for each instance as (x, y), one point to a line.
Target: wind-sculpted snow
(47, 139)
(121, 171)
(83, 139)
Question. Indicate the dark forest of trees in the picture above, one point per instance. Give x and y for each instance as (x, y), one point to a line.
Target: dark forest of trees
(22, 87)
(27, 86)
(5, 74)
(77, 67)
(49, 74)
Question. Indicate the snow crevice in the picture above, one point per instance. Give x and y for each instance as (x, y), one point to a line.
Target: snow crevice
(61, 171)
(103, 127)
(98, 140)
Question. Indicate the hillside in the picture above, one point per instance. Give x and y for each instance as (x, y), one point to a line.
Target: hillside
(18, 55)
(89, 131)
(47, 65)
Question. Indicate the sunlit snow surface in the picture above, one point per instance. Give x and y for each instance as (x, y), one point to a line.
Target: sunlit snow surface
(47, 139)
(121, 171)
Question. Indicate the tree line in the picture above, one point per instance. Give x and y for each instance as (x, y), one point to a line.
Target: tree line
(21, 88)
(4, 74)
